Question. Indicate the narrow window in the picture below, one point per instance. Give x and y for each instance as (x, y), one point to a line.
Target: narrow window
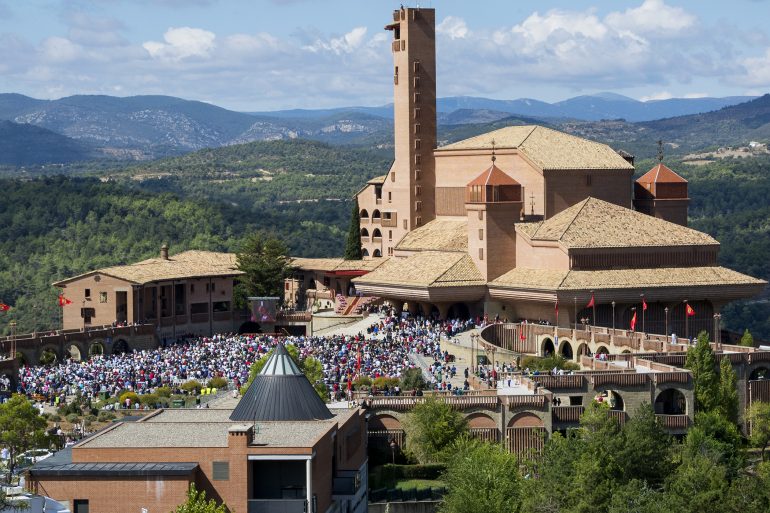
(481, 233)
(390, 196)
(417, 160)
(102, 297)
(481, 253)
(405, 225)
(417, 144)
(417, 174)
(481, 215)
(416, 66)
(393, 177)
(416, 97)
(416, 128)
(88, 293)
(417, 112)
(395, 76)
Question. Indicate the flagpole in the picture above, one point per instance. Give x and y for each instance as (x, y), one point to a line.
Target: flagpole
(644, 311)
(686, 322)
(593, 304)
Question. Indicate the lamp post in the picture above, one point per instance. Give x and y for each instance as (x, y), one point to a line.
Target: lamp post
(666, 310)
(718, 331)
(13, 339)
(613, 316)
(644, 311)
(393, 446)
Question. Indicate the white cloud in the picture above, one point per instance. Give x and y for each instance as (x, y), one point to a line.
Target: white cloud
(59, 49)
(756, 71)
(652, 17)
(182, 43)
(662, 95)
(453, 27)
(339, 45)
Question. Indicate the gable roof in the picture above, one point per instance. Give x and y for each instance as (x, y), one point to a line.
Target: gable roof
(280, 392)
(336, 264)
(493, 176)
(442, 234)
(594, 223)
(547, 148)
(427, 269)
(661, 174)
(188, 264)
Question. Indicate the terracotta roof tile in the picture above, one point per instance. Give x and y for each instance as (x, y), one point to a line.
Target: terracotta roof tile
(493, 176)
(661, 174)
(427, 269)
(442, 234)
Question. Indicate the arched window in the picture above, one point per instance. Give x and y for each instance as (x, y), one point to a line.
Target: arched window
(364, 232)
(364, 214)
(376, 233)
(365, 252)
(376, 214)
(377, 253)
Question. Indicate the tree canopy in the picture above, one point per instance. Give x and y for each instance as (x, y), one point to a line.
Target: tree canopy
(265, 262)
(430, 427)
(353, 242)
(197, 503)
(21, 428)
(310, 367)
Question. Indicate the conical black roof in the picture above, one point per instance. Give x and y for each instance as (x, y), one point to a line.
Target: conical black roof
(280, 392)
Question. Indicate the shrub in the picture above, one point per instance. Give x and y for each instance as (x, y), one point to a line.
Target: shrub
(148, 399)
(106, 416)
(55, 418)
(390, 473)
(383, 382)
(87, 423)
(90, 418)
(128, 395)
(217, 382)
(192, 387)
(411, 379)
(548, 363)
(72, 418)
(363, 383)
(163, 391)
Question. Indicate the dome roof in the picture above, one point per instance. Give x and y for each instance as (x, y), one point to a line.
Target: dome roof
(280, 392)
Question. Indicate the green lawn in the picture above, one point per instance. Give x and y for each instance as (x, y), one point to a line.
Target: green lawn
(420, 484)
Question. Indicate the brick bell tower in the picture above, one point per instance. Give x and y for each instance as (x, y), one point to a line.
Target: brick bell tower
(408, 199)
(494, 205)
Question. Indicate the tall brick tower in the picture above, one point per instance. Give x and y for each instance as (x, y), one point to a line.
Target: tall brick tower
(408, 190)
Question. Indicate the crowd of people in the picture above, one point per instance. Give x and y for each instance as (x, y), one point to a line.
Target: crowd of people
(382, 351)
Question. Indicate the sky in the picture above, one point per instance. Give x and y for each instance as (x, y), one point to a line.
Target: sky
(259, 55)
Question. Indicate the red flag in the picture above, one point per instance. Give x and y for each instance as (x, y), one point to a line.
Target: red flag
(522, 336)
(556, 307)
(63, 301)
(4, 307)
(690, 311)
(350, 384)
(633, 322)
(591, 303)
(644, 304)
(358, 361)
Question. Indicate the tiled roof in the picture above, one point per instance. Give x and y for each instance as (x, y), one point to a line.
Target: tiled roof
(594, 223)
(427, 269)
(547, 148)
(188, 264)
(546, 279)
(377, 180)
(442, 234)
(493, 176)
(661, 174)
(336, 264)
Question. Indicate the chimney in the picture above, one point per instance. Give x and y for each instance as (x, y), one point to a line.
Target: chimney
(164, 252)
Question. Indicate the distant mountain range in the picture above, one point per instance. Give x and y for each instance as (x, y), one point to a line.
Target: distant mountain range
(147, 127)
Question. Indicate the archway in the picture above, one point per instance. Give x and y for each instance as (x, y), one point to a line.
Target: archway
(612, 398)
(602, 350)
(365, 252)
(48, 356)
(377, 253)
(547, 347)
(384, 421)
(671, 402)
(458, 311)
(120, 346)
(364, 214)
(480, 420)
(95, 349)
(364, 232)
(74, 352)
(583, 350)
(525, 419)
(376, 234)
(376, 215)
(759, 373)
(565, 349)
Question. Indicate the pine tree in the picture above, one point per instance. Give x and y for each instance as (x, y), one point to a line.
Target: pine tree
(747, 339)
(728, 390)
(353, 244)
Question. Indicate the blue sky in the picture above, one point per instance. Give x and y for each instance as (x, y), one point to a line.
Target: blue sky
(277, 54)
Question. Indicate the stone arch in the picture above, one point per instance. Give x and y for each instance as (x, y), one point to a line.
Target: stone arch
(582, 349)
(364, 232)
(565, 349)
(759, 372)
(458, 311)
(365, 252)
(74, 352)
(602, 350)
(376, 214)
(671, 401)
(613, 398)
(364, 214)
(525, 419)
(120, 346)
(480, 420)
(377, 253)
(376, 233)
(96, 348)
(547, 347)
(384, 421)
(626, 351)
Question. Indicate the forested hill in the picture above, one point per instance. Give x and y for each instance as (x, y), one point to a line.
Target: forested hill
(31, 145)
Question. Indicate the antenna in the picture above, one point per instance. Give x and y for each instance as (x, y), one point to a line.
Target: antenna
(660, 150)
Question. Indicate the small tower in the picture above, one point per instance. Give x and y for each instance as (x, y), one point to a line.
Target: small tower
(662, 193)
(493, 204)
